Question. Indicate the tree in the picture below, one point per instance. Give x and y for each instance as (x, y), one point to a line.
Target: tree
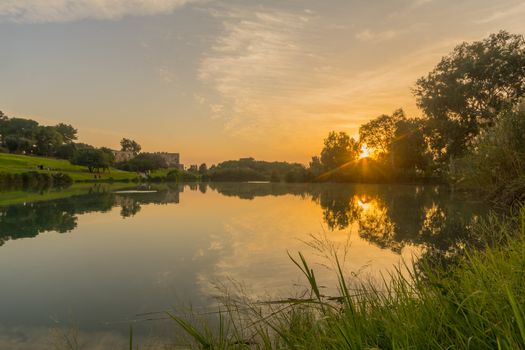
(3, 122)
(315, 166)
(47, 140)
(203, 172)
(379, 133)
(468, 88)
(66, 151)
(339, 149)
(496, 162)
(145, 162)
(18, 144)
(18, 134)
(94, 159)
(68, 132)
(108, 154)
(128, 145)
(409, 146)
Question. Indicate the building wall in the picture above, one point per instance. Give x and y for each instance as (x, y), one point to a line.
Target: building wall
(123, 156)
(172, 159)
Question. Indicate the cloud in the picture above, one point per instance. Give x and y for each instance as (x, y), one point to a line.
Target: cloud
(256, 64)
(370, 36)
(276, 74)
(44, 11)
(367, 35)
(500, 14)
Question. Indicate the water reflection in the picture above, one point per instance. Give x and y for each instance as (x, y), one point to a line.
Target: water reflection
(29, 219)
(389, 217)
(123, 253)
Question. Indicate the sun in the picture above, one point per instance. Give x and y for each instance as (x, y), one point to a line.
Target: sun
(365, 152)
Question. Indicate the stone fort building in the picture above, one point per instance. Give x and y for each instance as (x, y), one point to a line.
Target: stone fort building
(171, 159)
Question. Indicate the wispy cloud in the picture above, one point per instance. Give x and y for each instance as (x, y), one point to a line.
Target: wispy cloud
(503, 13)
(368, 35)
(42, 11)
(256, 64)
(275, 75)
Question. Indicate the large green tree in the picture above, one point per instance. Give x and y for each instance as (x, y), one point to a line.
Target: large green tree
(47, 140)
(94, 159)
(68, 132)
(468, 89)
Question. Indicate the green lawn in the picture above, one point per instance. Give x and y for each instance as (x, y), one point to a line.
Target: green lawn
(16, 163)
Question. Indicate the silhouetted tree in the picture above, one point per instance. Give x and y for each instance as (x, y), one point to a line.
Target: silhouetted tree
(339, 149)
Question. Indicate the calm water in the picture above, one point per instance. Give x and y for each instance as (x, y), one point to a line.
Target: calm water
(96, 262)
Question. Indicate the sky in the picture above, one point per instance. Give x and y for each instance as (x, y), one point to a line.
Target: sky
(216, 80)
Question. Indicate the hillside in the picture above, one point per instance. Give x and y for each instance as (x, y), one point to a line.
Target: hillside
(16, 164)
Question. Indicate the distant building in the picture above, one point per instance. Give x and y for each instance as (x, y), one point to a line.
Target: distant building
(171, 159)
(123, 156)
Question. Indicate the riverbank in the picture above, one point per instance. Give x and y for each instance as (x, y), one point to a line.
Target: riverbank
(475, 303)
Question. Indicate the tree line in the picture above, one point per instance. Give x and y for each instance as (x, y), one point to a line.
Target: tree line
(28, 137)
(472, 130)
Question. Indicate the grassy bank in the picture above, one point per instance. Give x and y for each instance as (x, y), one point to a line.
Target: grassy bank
(18, 164)
(476, 303)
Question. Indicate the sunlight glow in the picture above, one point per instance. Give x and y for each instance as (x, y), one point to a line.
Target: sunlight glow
(365, 152)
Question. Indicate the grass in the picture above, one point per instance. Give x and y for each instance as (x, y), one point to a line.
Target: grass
(17, 164)
(477, 303)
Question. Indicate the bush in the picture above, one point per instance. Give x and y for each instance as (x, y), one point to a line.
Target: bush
(497, 156)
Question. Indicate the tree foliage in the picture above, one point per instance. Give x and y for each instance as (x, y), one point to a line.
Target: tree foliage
(47, 140)
(144, 162)
(468, 88)
(339, 149)
(94, 159)
(380, 133)
(128, 145)
(68, 132)
(497, 158)
(249, 169)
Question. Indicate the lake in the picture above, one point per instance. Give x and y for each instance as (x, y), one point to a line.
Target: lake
(102, 258)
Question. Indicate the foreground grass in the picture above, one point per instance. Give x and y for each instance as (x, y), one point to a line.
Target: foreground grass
(17, 164)
(478, 303)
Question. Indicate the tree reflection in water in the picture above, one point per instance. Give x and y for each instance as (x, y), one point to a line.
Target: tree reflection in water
(390, 217)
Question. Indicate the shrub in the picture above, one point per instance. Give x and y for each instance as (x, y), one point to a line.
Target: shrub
(497, 156)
